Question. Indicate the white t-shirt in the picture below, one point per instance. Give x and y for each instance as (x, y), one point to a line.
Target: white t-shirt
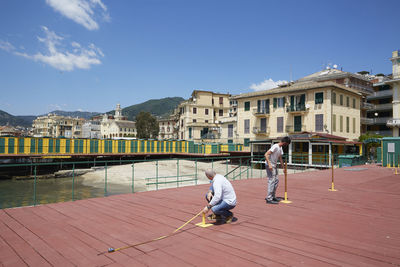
(223, 190)
(274, 156)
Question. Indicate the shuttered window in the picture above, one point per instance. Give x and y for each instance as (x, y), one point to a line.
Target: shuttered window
(246, 126)
(319, 122)
(279, 124)
(319, 98)
(247, 106)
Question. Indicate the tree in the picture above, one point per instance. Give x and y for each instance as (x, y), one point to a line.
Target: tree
(146, 126)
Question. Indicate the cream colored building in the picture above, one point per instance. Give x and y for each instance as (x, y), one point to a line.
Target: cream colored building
(117, 126)
(167, 129)
(394, 122)
(54, 125)
(200, 118)
(325, 107)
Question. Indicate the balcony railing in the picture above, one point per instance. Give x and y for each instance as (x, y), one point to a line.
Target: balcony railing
(380, 94)
(259, 130)
(295, 108)
(367, 121)
(297, 128)
(260, 111)
(387, 106)
(366, 105)
(393, 123)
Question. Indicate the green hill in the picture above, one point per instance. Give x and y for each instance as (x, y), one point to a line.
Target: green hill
(157, 107)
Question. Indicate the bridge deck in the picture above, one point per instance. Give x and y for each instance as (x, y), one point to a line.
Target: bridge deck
(355, 226)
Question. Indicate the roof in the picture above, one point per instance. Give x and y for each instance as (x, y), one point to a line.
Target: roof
(125, 123)
(295, 88)
(332, 74)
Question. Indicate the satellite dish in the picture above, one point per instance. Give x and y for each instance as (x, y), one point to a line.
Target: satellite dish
(307, 106)
(335, 66)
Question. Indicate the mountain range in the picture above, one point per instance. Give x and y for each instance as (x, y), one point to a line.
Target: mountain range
(157, 107)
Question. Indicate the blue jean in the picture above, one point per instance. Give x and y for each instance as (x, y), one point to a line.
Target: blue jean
(273, 182)
(222, 208)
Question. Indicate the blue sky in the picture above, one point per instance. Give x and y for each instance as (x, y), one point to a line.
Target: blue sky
(89, 55)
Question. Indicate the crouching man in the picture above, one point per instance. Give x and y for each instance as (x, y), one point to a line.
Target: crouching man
(221, 198)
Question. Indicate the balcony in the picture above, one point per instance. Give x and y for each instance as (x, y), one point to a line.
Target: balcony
(227, 119)
(296, 108)
(261, 131)
(380, 107)
(380, 94)
(260, 112)
(393, 123)
(366, 121)
(295, 129)
(367, 106)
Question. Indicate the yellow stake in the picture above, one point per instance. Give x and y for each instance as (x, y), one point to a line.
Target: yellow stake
(203, 222)
(286, 201)
(333, 185)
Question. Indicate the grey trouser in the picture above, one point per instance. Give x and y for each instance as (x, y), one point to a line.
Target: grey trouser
(273, 182)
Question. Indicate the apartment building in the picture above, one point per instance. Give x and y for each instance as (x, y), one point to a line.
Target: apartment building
(306, 106)
(167, 129)
(199, 118)
(54, 125)
(394, 122)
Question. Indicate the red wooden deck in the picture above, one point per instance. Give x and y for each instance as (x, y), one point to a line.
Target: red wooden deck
(355, 226)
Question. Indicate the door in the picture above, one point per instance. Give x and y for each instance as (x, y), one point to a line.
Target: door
(263, 125)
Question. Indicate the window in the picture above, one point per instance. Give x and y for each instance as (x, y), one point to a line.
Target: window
(247, 106)
(230, 130)
(347, 124)
(246, 126)
(319, 98)
(341, 123)
(334, 123)
(279, 102)
(194, 110)
(190, 132)
(206, 121)
(347, 101)
(221, 112)
(354, 103)
(246, 141)
(279, 124)
(194, 120)
(221, 100)
(354, 125)
(206, 111)
(319, 122)
(341, 100)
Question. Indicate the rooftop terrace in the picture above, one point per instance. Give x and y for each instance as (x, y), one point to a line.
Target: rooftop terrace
(356, 226)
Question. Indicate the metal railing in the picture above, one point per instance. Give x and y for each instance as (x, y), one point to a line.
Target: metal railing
(294, 108)
(90, 179)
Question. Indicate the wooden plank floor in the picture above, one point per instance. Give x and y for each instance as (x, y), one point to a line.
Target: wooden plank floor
(359, 225)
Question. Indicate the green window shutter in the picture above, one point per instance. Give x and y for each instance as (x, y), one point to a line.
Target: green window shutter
(292, 100)
(303, 99)
(247, 106)
(319, 98)
(246, 141)
(275, 104)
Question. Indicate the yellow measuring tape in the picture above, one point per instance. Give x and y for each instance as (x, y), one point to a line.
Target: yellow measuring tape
(111, 250)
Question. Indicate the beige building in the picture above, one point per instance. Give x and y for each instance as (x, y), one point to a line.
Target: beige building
(117, 126)
(54, 125)
(200, 118)
(309, 106)
(394, 83)
(167, 129)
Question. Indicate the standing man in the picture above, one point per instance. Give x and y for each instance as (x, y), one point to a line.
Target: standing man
(221, 197)
(271, 160)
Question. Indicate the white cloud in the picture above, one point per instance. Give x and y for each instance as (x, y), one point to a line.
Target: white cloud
(266, 85)
(61, 59)
(6, 46)
(80, 11)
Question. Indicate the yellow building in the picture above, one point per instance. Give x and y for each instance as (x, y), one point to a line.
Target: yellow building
(54, 125)
(308, 106)
(117, 126)
(198, 118)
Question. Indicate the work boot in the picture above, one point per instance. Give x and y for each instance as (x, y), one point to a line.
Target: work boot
(276, 199)
(213, 217)
(229, 219)
(271, 201)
